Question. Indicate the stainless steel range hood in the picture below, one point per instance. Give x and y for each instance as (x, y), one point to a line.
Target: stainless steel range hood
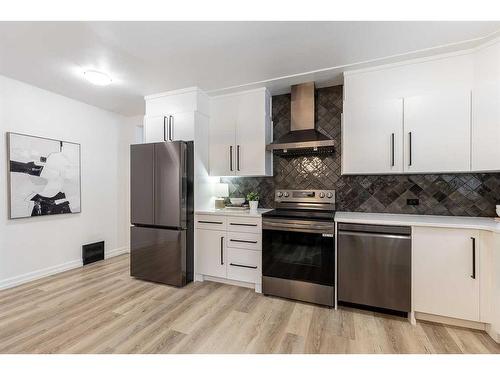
(302, 137)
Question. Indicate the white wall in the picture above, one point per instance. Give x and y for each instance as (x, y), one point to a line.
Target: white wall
(33, 247)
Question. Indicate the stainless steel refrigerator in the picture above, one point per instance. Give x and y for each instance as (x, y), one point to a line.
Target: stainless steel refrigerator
(161, 192)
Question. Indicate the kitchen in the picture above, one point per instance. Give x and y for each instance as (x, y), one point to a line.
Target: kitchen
(367, 180)
(345, 210)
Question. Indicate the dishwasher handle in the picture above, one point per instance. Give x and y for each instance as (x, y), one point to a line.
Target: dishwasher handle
(374, 228)
(367, 234)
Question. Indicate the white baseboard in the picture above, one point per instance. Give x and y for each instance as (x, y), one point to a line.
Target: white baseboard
(489, 328)
(450, 321)
(493, 333)
(116, 252)
(228, 281)
(38, 274)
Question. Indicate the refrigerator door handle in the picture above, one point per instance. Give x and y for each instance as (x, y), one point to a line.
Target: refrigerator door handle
(183, 184)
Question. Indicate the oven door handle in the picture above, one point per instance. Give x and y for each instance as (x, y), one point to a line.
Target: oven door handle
(325, 228)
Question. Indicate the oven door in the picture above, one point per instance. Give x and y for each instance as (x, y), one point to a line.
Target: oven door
(298, 250)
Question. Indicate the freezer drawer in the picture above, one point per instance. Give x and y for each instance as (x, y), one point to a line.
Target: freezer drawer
(374, 266)
(158, 255)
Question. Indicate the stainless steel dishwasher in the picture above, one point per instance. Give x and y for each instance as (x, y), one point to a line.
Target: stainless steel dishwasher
(374, 265)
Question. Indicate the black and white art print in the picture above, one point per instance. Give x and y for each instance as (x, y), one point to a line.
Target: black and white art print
(44, 176)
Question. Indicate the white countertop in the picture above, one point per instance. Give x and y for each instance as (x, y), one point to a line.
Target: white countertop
(233, 212)
(481, 223)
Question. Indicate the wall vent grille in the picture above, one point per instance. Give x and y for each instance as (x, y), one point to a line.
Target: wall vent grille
(93, 252)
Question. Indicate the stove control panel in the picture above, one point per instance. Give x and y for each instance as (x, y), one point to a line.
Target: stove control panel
(305, 196)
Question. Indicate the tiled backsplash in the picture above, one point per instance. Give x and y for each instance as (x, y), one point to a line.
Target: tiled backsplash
(471, 194)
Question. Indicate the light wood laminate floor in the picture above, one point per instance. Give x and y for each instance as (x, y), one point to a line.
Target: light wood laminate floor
(101, 309)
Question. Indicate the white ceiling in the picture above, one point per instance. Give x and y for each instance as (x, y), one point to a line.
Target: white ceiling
(148, 57)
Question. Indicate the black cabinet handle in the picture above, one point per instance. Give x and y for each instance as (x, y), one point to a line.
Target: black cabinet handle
(242, 265)
(238, 157)
(231, 158)
(244, 225)
(473, 258)
(222, 250)
(392, 149)
(165, 128)
(210, 222)
(171, 128)
(245, 241)
(410, 150)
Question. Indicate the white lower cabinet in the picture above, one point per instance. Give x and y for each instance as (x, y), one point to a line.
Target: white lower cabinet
(211, 255)
(229, 248)
(243, 240)
(244, 265)
(446, 272)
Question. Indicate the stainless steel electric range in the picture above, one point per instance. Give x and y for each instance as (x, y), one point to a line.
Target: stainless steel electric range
(298, 257)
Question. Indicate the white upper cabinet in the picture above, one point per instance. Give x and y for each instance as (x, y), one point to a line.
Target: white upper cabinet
(173, 116)
(451, 114)
(373, 142)
(240, 129)
(155, 128)
(486, 110)
(169, 127)
(222, 135)
(253, 133)
(185, 100)
(437, 132)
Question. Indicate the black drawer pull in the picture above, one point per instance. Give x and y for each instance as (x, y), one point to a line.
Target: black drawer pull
(210, 222)
(392, 150)
(222, 251)
(242, 265)
(244, 225)
(242, 241)
(473, 258)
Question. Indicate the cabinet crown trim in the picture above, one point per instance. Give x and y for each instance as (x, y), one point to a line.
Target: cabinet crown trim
(175, 92)
(213, 94)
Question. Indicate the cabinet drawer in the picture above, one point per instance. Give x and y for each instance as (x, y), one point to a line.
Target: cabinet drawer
(244, 240)
(244, 224)
(244, 265)
(215, 222)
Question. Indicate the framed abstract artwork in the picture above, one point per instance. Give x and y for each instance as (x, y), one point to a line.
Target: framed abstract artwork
(44, 176)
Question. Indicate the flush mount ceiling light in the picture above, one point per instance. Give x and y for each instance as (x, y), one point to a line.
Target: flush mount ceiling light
(97, 78)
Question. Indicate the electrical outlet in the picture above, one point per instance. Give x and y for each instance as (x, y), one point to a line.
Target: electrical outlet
(412, 202)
